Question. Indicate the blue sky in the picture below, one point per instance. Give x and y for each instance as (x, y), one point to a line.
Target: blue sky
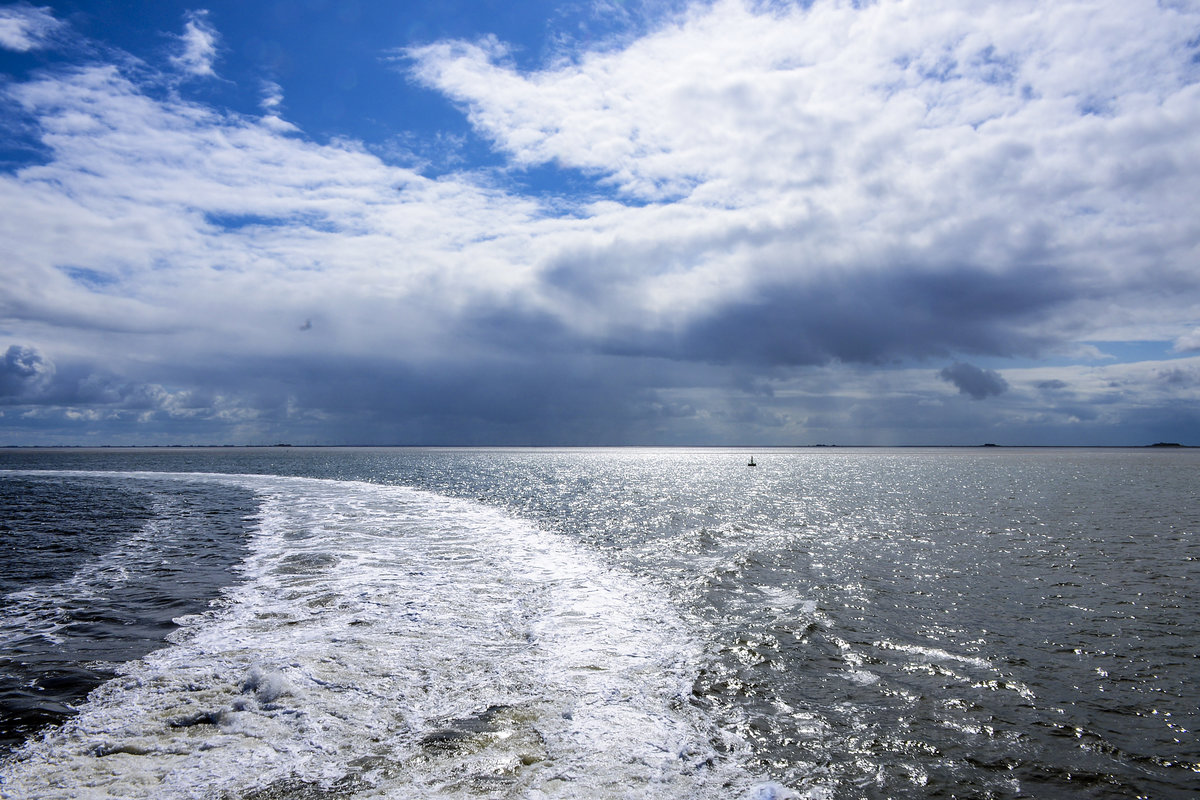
(728, 222)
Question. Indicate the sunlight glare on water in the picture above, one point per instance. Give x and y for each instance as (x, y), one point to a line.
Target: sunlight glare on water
(831, 624)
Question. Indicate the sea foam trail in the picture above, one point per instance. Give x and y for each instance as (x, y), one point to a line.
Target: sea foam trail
(389, 642)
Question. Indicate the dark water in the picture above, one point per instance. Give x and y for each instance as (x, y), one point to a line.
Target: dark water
(94, 571)
(866, 623)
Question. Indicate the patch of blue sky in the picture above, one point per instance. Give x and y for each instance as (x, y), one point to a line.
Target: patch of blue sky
(1191, 74)
(993, 68)
(1123, 352)
(569, 187)
(943, 70)
(436, 148)
(20, 148)
(349, 82)
(92, 279)
(21, 65)
(235, 221)
(20, 138)
(120, 23)
(1095, 106)
(1094, 354)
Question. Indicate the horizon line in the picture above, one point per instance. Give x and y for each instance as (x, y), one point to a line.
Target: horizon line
(817, 446)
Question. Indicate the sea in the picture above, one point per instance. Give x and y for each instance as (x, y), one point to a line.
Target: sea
(291, 623)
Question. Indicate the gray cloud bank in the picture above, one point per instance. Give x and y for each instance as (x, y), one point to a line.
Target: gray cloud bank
(806, 213)
(973, 381)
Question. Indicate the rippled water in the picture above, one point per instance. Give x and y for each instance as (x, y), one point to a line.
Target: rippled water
(652, 623)
(93, 574)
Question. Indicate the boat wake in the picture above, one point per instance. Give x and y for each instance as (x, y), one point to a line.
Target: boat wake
(385, 641)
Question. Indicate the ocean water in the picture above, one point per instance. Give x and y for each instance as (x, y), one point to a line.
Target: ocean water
(252, 623)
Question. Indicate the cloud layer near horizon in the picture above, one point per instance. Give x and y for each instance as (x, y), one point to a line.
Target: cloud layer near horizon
(787, 205)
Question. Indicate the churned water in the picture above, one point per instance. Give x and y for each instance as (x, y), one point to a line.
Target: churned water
(833, 623)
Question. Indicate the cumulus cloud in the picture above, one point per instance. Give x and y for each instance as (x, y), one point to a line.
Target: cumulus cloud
(973, 381)
(804, 96)
(259, 227)
(24, 27)
(199, 40)
(1188, 342)
(24, 373)
(814, 144)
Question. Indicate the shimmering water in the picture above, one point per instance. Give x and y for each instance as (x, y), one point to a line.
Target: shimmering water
(833, 623)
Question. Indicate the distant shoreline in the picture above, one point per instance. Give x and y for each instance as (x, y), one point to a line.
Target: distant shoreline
(986, 445)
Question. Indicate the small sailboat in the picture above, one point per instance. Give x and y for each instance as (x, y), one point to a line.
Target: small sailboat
(752, 464)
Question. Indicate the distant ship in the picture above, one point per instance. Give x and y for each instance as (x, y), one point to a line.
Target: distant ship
(752, 464)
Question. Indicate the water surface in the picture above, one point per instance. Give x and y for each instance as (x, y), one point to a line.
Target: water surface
(834, 623)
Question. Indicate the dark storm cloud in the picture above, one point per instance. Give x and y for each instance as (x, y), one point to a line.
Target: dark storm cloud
(973, 381)
(544, 394)
(542, 398)
(874, 318)
(517, 330)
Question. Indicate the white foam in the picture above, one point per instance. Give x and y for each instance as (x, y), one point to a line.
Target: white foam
(861, 677)
(936, 655)
(400, 643)
(787, 600)
(770, 791)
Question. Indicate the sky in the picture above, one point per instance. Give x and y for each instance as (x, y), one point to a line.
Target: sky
(616, 222)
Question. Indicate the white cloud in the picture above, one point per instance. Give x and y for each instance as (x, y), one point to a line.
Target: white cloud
(844, 138)
(222, 231)
(199, 41)
(272, 99)
(24, 28)
(1188, 342)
